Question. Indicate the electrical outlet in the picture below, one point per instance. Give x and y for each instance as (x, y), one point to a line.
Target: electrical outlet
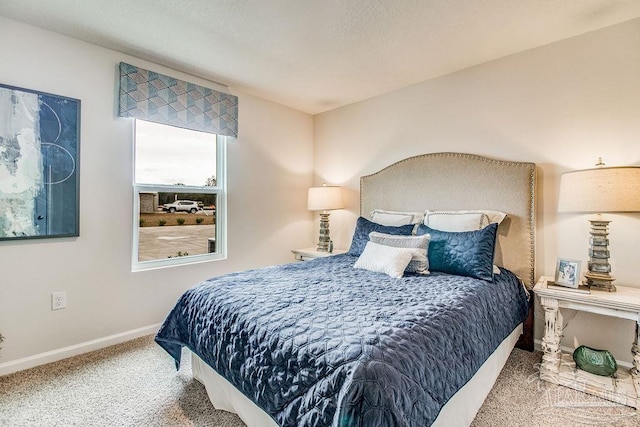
(58, 300)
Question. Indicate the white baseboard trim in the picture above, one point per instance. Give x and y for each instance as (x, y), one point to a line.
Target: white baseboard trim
(537, 346)
(76, 349)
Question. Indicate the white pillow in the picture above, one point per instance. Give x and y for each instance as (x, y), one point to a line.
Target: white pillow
(455, 221)
(396, 218)
(494, 216)
(419, 262)
(385, 259)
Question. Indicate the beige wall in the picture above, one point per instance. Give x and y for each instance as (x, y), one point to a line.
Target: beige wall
(560, 106)
(269, 170)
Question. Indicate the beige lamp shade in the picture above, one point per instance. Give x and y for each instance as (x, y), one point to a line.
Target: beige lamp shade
(615, 189)
(325, 198)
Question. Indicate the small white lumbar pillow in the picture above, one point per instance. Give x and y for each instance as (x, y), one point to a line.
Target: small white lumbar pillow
(395, 218)
(385, 259)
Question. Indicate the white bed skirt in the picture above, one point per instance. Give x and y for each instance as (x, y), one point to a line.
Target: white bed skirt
(460, 410)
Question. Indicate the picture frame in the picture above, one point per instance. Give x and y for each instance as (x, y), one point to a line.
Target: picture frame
(39, 164)
(568, 272)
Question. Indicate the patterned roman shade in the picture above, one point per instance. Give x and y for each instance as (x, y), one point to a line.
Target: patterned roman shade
(151, 96)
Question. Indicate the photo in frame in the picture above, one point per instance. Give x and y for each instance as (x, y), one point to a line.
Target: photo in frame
(568, 272)
(39, 164)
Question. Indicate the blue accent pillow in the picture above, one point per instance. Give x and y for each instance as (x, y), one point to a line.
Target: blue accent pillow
(364, 227)
(465, 253)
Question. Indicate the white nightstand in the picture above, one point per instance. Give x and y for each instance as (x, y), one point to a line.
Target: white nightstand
(312, 253)
(559, 368)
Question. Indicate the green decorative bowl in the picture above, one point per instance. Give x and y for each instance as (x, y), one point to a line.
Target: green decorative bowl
(598, 362)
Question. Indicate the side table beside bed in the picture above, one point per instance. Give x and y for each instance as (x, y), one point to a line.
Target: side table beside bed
(559, 368)
(313, 253)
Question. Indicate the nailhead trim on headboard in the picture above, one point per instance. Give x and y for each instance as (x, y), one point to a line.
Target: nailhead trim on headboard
(459, 165)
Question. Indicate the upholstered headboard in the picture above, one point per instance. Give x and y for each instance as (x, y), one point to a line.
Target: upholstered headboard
(456, 181)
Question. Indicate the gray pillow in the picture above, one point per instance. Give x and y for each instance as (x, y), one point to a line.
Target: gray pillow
(419, 263)
(364, 227)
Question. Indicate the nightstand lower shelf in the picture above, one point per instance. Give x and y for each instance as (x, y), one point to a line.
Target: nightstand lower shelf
(624, 389)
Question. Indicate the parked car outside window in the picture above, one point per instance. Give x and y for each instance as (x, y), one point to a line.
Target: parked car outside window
(182, 206)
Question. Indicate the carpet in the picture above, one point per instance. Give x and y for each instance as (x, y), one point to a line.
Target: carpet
(135, 384)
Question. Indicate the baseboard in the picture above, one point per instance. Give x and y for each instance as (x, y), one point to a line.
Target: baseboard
(537, 345)
(74, 350)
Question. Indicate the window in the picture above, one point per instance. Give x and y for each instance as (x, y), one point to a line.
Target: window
(179, 196)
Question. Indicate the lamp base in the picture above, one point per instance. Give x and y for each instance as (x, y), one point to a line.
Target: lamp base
(324, 241)
(600, 282)
(599, 274)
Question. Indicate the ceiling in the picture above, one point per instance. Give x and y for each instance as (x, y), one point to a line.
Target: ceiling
(316, 55)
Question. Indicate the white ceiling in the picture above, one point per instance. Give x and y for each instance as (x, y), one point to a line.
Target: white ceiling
(316, 55)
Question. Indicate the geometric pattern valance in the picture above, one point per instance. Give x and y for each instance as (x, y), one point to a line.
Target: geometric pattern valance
(162, 99)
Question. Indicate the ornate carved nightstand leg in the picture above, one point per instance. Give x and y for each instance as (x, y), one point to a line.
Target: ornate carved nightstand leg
(551, 339)
(635, 350)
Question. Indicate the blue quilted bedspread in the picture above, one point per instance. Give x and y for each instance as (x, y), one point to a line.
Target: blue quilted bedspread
(319, 343)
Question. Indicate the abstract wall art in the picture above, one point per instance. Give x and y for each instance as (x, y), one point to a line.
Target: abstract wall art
(39, 164)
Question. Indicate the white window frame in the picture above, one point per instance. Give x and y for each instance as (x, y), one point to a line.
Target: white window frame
(221, 212)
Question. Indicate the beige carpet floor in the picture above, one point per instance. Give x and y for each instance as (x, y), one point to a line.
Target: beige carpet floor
(135, 384)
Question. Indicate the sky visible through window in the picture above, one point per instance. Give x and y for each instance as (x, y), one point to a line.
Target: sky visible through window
(169, 155)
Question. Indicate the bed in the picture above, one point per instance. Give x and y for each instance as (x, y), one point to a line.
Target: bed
(323, 343)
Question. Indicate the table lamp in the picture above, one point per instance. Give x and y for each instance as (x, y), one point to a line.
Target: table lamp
(324, 199)
(599, 190)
